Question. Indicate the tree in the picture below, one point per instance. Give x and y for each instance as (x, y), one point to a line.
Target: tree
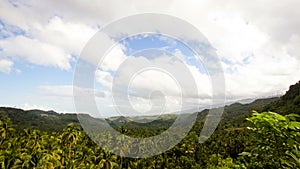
(277, 140)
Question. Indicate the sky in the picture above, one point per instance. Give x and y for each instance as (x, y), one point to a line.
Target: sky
(256, 41)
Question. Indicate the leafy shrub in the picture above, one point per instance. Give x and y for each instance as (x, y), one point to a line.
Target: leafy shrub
(277, 140)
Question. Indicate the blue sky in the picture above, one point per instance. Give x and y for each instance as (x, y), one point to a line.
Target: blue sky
(40, 43)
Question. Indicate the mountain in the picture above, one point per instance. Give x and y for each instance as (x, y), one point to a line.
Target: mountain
(53, 121)
(236, 113)
(288, 103)
(233, 114)
(38, 119)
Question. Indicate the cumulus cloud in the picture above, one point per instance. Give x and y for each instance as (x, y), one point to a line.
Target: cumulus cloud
(66, 91)
(35, 51)
(5, 65)
(71, 36)
(257, 41)
(27, 106)
(43, 38)
(138, 77)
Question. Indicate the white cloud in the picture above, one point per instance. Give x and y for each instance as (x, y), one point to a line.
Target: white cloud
(5, 66)
(35, 51)
(70, 36)
(139, 77)
(27, 106)
(58, 98)
(104, 78)
(14, 16)
(258, 41)
(113, 59)
(66, 91)
(49, 40)
(60, 91)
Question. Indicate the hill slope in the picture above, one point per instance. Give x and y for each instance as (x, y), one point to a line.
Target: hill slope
(234, 114)
(52, 121)
(288, 103)
(38, 119)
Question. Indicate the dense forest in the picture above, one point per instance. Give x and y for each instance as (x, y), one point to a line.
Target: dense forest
(261, 134)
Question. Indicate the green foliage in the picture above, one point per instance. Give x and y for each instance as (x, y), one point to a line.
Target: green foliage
(273, 142)
(216, 162)
(38, 139)
(72, 148)
(35, 149)
(38, 119)
(277, 140)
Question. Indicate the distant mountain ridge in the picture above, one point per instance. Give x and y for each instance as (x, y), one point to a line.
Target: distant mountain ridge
(53, 121)
(234, 113)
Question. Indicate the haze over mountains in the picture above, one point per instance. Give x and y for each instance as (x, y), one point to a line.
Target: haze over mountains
(235, 113)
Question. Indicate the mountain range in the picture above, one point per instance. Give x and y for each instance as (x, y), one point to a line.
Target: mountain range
(234, 113)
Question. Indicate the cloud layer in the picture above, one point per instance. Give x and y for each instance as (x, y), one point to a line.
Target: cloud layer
(257, 41)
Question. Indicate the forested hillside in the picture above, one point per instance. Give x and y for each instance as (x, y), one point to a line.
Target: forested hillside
(38, 119)
(243, 139)
(290, 102)
(53, 121)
